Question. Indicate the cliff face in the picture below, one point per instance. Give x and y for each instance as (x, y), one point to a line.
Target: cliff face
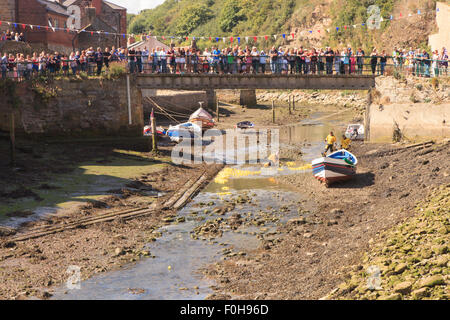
(309, 20)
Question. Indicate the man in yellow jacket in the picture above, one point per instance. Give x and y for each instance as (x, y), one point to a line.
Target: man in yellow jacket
(345, 143)
(330, 140)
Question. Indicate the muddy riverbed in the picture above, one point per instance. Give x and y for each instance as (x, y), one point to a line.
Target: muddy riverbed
(241, 211)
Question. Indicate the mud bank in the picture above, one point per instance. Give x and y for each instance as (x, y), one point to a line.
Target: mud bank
(323, 245)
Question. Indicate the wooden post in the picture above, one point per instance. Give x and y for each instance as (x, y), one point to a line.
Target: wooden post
(293, 103)
(217, 111)
(273, 111)
(290, 105)
(12, 136)
(154, 135)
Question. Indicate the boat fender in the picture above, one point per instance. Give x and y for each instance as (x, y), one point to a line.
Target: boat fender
(348, 161)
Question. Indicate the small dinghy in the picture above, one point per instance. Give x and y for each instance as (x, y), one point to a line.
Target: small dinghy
(355, 132)
(245, 125)
(184, 130)
(338, 166)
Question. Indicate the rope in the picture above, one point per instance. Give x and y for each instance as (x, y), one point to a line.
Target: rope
(162, 109)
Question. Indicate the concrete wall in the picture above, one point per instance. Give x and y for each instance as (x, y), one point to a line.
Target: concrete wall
(82, 108)
(254, 81)
(173, 101)
(442, 38)
(416, 121)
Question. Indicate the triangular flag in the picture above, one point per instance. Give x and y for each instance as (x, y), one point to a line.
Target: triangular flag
(284, 36)
(223, 39)
(255, 38)
(239, 40)
(246, 39)
(275, 36)
(345, 27)
(266, 37)
(231, 39)
(217, 39)
(410, 15)
(23, 26)
(354, 26)
(337, 28)
(392, 17)
(53, 29)
(400, 14)
(293, 35)
(30, 27)
(310, 31)
(418, 11)
(381, 19)
(318, 31)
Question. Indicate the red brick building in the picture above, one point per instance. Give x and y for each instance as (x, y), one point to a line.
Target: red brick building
(87, 15)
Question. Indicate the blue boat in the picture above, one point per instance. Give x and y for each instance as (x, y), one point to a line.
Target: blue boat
(338, 166)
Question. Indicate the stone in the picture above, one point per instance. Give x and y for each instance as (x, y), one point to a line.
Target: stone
(420, 293)
(400, 268)
(297, 221)
(403, 287)
(119, 252)
(332, 222)
(432, 281)
(308, 235)
(441, 261)
(336, 211)
(395, 296)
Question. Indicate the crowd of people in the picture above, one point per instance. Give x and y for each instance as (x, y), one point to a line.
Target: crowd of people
(11, 36)
(230, 60)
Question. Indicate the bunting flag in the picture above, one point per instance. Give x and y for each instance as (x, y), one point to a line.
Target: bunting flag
(391, 17)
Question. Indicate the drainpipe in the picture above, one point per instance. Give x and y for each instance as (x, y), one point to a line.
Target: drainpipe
(130, 122)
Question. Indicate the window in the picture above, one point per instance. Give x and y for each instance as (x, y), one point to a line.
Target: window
(56, 23)
(50, 22)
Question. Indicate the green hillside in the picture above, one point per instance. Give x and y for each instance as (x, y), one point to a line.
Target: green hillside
(226, 18)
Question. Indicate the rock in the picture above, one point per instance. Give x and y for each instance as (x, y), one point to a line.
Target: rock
(332, 222)
(308, 235)
(181, 219)
(441, 261)
(400, 268)
(403, 287)
(336, 211)
(395, 296)
(432, 281)
(119, 252)
(420, 293)
(297, 221)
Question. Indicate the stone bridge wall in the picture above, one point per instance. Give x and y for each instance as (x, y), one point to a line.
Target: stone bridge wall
(82, 108)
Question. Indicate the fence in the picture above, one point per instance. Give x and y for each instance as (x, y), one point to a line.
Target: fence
(227, 65)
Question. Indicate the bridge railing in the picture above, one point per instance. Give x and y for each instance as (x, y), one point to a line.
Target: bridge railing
(228, 65)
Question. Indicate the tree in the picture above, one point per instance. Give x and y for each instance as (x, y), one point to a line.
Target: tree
(192, 17)
(230, 15)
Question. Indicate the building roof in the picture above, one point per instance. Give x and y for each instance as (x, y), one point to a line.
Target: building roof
(114, 6)
(54, 6)
(110, 4)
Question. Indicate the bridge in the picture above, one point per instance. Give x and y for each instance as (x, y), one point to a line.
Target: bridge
(248, 83)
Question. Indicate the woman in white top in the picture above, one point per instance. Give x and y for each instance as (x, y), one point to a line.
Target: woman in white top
(435, 64)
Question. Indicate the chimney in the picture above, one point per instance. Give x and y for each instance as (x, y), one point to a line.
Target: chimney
(97, 4)
(90, 14)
